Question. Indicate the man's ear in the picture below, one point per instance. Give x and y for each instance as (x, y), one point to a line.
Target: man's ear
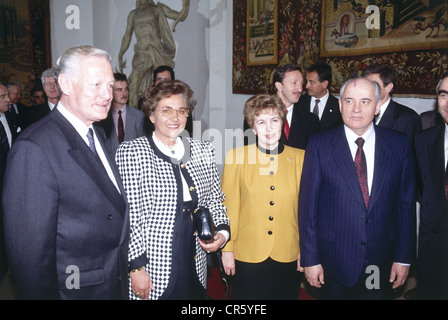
(389, 88)
(65, 84)
(278, 86)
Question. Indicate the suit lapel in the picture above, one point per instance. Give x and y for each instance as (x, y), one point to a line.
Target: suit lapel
(436, 158)
(344, 161)
(387, 119)
(383, 154)
(86, 160)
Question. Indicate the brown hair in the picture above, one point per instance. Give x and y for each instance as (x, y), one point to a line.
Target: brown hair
(166, 89)
(256, 104)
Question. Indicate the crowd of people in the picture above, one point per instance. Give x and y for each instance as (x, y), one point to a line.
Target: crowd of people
(100, 197)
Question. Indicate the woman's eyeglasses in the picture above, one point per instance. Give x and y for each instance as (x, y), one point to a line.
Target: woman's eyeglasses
(169, 112)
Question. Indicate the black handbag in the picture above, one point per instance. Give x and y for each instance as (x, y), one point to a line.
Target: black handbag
(204, 224)
(205, 227)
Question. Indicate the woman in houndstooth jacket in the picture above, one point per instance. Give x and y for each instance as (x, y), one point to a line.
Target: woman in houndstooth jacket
(166, 177)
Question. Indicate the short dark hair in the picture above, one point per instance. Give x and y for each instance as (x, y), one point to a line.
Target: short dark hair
(120, 77)
(280, 72)
(161, 69)
(387, 74)
(323, 71)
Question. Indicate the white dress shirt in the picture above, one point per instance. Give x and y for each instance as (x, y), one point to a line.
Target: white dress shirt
(82, 129)
(446, 144)
(368, 147)
(289, 114)
(51, 105)
(382, 110)
(7, 130)
(322, 103)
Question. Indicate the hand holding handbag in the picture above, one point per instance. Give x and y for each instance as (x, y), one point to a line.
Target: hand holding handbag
(206, 230)
(204, 224)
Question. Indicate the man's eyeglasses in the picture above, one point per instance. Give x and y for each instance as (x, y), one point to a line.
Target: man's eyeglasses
(169, 112)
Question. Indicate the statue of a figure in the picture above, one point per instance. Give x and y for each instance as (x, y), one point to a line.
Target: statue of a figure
(155, 44)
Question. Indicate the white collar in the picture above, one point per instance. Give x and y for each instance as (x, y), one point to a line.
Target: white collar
(177, 151)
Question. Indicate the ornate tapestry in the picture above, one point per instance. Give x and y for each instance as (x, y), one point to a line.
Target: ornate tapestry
(300, 26)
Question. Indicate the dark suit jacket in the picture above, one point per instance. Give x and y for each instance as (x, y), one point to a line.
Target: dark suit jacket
(21, 117)
(401, 118)
(37, 112)
(134, 128)
(61, 211)
(431, 118)
(433, 228)
(13, 124)
(336, 229)
(331, 117)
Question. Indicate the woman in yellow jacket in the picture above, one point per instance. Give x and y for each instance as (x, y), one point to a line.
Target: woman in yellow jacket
(261, 183)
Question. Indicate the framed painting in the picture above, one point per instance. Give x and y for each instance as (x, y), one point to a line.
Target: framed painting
(25, 50)
(262, 32)
(352, 28)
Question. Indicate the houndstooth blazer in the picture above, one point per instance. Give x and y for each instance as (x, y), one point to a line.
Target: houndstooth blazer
(153, 186)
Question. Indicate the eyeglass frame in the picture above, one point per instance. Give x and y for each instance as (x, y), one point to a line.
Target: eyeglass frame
(172, 111)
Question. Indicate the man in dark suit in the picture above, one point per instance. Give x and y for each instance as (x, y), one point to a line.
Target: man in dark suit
(19, 109)
(4, 148)
(65, 211)
(431, 118)
(431, 145)
(357, 203)
(300, 124)
(123, 122)
(318, 99)
(392, 115)
(52, 93)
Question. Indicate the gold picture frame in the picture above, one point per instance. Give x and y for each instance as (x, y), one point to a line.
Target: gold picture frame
(262, 32)
(351, 28)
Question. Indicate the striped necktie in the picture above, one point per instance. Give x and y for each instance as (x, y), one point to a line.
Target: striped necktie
(361, 170)
(91, 141)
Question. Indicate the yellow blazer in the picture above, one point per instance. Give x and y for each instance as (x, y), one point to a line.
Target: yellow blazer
(262, 197)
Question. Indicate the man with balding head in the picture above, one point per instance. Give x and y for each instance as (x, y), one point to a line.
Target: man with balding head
(357, 203)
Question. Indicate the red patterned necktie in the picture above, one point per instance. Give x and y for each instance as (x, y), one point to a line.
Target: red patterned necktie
(286, 126)
(120, 128)
(361, 170)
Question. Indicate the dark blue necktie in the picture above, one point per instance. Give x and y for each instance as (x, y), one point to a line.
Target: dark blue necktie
(91, 141)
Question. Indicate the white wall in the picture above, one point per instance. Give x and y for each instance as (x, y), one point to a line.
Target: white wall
(203, 58)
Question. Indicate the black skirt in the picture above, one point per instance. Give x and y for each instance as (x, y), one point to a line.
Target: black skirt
(267, 280)
(184, 279)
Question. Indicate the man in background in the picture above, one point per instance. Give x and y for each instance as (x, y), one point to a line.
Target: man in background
(123, 122)
(432, 156)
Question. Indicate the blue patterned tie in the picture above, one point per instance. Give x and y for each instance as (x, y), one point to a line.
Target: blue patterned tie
(361, 170)
(91, 141)
(4, 137)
